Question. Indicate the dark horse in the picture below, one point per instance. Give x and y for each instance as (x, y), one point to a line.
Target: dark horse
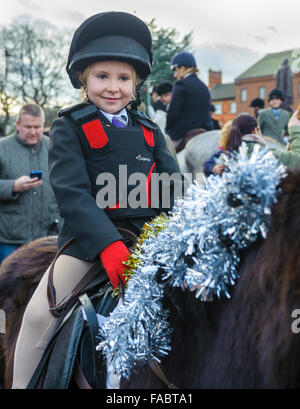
(20, 274)
(245, 342)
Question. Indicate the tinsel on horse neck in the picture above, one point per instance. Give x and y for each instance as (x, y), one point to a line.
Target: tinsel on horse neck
(198, 247)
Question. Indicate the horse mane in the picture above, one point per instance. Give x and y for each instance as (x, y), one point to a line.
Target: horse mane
(270, 286)
(20, 274)
(255, 328)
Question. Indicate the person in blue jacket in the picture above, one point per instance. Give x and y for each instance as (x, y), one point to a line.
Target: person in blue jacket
(190, 104)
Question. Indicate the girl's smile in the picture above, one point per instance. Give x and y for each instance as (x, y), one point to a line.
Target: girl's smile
(110, 85)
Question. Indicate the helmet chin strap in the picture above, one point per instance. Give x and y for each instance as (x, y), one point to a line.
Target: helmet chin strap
(135, 103)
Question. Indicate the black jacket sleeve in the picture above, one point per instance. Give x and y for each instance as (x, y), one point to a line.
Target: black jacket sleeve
(91, 227)
(176, 104)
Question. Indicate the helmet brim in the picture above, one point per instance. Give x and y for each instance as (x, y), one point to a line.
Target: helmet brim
(275, 96)
(116, 48)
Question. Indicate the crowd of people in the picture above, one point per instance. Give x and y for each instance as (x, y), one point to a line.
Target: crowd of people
(50, 185)
(177, 103)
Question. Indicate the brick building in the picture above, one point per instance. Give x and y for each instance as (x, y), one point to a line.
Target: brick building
(222, 97)
(256, 82)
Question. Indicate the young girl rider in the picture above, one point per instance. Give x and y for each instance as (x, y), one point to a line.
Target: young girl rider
(110, 55)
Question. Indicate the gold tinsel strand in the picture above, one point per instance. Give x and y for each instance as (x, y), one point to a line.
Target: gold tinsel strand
(149, 230)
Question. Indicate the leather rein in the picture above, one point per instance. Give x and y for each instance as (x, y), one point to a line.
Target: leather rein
(57, 310)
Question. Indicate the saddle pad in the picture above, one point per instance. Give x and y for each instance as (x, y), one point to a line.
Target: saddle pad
(72, 341)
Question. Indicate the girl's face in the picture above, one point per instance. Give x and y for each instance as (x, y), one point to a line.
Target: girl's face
(110, 85)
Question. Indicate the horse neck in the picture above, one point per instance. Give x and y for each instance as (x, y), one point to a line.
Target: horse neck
(195, 327)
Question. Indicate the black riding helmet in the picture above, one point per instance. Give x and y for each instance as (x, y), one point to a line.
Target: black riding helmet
(111, 35)
(276, 93)
(257, 103)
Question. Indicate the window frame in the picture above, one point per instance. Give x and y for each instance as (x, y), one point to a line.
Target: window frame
(230, 107)
(264, 92)
(220, 106)
(244, 90)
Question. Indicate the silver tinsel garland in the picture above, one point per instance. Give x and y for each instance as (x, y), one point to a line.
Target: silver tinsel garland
(198, 249)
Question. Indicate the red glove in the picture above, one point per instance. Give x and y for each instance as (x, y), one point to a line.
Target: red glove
(112, 257)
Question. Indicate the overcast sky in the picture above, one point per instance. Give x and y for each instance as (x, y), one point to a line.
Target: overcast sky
(228, 35)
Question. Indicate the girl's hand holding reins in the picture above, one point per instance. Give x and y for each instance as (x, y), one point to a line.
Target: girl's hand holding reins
(112, 258)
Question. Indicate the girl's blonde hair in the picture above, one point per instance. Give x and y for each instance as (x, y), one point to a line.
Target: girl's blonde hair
(225, 132)
(191, 70)
(83, 76)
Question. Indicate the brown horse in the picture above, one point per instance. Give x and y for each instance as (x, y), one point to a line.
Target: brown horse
(244, 342)
(20, 274)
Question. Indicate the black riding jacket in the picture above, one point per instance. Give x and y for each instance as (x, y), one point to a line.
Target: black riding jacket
(189, 107)
(85, 147)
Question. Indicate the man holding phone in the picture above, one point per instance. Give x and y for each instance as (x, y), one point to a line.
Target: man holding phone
(28, 208)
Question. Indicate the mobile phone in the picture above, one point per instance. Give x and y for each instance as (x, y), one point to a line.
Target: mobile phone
(36, 174)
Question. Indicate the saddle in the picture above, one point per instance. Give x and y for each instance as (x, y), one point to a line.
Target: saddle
(188, 136)
(71, 359)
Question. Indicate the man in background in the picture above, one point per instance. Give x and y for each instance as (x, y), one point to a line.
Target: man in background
(164, 91)
(28, 208)
(257, 104)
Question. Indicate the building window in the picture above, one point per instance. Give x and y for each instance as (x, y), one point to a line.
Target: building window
(218, 110)
(244, 95)
(262, 92)
(232, 107)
